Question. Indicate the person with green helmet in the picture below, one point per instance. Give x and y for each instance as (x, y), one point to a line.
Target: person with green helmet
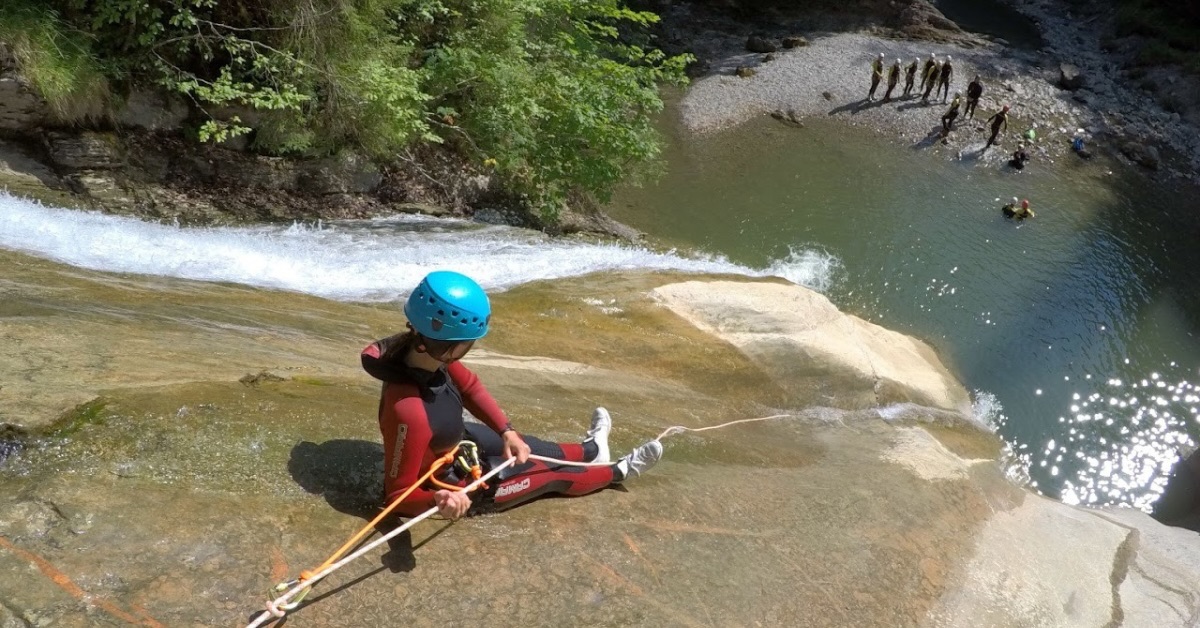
(425, 389)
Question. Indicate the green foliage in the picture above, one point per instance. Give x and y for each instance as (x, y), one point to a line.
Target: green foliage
(549, 93)
(57, 62)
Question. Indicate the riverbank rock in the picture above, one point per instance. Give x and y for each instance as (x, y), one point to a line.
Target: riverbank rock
(794, 42)
(788, 117)
(1069, 76)
(86, 151)
(152, 111)
(809, 345)
(760, 44)
(1141, 153)
(21, 109)
(22, 175)
(745, 71)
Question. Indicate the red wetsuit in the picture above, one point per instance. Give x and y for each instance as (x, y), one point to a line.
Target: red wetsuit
(420, 418)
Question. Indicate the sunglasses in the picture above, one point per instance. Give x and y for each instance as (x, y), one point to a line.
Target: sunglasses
(445, 351)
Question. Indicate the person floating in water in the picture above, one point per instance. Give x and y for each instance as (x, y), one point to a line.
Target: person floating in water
(1077, 144)
(910, 73)
(998, 121)
(951, 114)
(425, 389)
(974, 92)
(1019, 212)
(944, 76)
(893, 78)
(1019, 158)
(876, 76)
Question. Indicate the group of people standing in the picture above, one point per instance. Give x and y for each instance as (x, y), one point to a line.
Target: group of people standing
(935, 79)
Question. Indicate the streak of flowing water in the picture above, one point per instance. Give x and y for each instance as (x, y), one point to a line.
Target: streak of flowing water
(352, 260)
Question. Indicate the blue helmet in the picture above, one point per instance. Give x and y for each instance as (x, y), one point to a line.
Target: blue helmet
(448, 306)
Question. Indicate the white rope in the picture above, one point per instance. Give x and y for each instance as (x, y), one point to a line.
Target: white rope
(283, 599)
(679, 429)
(273, 608)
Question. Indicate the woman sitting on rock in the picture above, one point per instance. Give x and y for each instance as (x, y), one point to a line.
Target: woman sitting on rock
(426, 387)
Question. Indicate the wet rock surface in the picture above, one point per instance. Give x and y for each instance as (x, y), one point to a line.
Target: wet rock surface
(178, 495)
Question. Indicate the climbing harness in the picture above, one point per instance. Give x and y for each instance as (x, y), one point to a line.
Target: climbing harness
(464, 457)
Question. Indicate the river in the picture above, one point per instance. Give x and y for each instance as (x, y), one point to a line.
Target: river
(1076, 330)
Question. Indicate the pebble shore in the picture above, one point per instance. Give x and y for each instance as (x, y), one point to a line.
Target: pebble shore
(831, 77)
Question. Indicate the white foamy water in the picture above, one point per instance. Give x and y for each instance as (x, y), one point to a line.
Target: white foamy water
(365, 260)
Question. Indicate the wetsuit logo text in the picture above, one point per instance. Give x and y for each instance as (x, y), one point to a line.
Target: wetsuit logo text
(509, 489)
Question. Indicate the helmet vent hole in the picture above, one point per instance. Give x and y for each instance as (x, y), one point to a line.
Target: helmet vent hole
(453, 312)
(475, 319)
(441, 312)
(464, 321)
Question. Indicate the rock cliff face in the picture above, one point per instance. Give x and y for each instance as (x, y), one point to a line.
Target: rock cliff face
(178, 494)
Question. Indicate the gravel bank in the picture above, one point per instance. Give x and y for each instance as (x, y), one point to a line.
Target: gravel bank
(831, 77)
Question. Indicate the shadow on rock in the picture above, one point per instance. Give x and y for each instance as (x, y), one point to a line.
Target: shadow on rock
(934, 137)
(1179, 504)
(916, 104)
(853, 107)
(349, 475)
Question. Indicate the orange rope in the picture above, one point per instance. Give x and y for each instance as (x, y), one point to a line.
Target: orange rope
(437, 464)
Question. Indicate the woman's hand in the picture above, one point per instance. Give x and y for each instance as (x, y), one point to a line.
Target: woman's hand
(514, 445)
(451, 504)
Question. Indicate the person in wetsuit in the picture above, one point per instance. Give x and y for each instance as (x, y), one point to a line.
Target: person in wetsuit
(425, 389)
(951, 114)
(893, 78)
(1000, 119)
(1078, 146)
(931, 80)
(910, 73)
(1019, 158)
(929, 65)
(974, 92)
(876, 76)
(944, 76)
(1021, 212)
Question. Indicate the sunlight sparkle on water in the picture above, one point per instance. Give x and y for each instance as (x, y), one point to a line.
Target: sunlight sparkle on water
(1123, 441)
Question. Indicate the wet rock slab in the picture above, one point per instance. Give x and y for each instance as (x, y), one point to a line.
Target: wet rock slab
(182, 500)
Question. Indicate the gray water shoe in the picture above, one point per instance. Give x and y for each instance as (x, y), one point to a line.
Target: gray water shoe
(639, 460)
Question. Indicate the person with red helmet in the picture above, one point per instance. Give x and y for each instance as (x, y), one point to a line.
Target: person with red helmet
(425, 389)
(998, 120)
